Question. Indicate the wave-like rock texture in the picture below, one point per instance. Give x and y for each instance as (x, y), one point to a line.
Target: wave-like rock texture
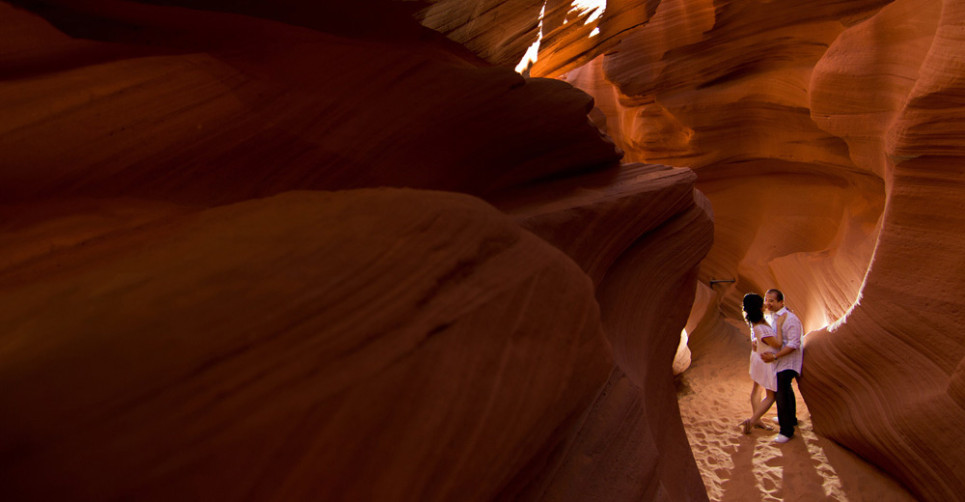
(411, 346)
(827, 138)
(499, 31)
(645, 330)
(889, 382)
(282, 108)
(202, 299)
(723, 89)
(569, 33)
(636, 232)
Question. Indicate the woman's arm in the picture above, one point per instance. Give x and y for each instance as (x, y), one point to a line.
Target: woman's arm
(779, 329)
(792, 342)
(776, 341)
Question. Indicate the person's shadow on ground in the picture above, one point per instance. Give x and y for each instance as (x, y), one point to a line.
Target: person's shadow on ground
(803, 469)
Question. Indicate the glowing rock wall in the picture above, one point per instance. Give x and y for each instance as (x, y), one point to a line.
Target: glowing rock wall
(829, 140)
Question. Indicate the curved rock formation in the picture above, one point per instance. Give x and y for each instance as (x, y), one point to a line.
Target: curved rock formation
(639, 235)
(280, 109)
(826, 139)
(267, 360)
(725, 91)
(901, 348)
(183, 325)
(499, 31)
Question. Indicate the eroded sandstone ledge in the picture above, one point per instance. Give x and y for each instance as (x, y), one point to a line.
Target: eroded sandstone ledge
(839, 121)
(204, 299)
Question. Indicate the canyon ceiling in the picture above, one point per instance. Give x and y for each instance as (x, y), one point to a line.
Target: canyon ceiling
(343, 251)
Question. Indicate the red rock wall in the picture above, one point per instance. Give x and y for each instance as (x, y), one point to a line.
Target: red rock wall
(499, 31)
(631, 444)
(828, 139)
(724, 90)
(205, 298)
(900, 354)
(250, 119)
(231, 354)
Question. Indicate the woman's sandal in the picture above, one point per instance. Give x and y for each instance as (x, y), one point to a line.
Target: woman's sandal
(763, 426)
(746, 426)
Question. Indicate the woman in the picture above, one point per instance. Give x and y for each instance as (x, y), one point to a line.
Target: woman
(763, 339)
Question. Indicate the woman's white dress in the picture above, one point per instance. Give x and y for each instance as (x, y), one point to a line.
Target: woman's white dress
(761, 372)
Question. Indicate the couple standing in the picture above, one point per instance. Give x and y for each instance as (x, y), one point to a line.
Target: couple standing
(776, 360)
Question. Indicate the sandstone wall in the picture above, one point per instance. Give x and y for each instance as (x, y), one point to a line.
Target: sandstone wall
(353, 345)
(902, 400)
(828, 139)
(206, 296)
(638, 235)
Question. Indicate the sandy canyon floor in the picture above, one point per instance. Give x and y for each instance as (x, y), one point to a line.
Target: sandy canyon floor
(714, 396)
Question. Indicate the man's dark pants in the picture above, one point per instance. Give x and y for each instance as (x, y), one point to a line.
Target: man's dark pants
(786, 405)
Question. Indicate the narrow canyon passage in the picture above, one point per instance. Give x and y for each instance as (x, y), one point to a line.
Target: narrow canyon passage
(713, 396)
(343, 251)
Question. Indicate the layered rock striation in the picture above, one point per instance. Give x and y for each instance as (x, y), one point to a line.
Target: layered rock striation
(827, 140)
(255, 107)
(725, 90)
(250, 251)
(900, 349)
(636, 232)
(362, 344)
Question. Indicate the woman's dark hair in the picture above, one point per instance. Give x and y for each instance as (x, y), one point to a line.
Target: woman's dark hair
(753, 308)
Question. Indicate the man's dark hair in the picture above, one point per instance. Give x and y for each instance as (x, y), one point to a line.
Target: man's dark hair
(777, 293)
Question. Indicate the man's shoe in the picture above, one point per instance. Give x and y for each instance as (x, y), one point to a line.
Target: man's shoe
(781, 438)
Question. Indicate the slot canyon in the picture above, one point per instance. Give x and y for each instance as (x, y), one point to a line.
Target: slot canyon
(446, 249)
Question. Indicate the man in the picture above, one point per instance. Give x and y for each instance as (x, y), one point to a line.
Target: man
(788, 363)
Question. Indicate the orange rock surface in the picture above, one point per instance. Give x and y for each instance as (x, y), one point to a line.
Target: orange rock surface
(826, 139)
(903, 395)
(149, 242)
(636, 232)
(281, 108)
(204, 300)
(802, 214)
(411, 345)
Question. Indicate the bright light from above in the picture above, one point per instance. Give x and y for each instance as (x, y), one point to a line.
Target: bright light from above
(598, 6)
(533, 52)
(595, 9)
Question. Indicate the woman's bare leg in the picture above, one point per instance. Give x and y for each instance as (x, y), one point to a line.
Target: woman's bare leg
(762, 407)
(755, 396)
